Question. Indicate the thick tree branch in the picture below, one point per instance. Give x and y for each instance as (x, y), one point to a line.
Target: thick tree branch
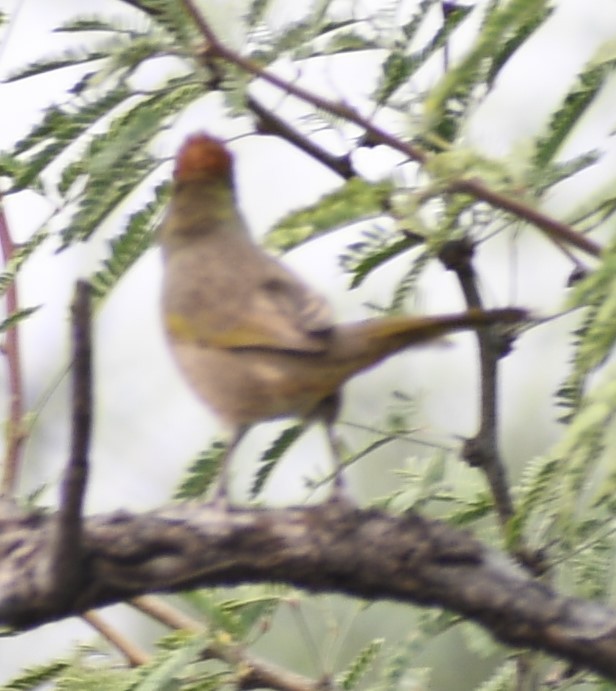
(478, 189)
(330, 548)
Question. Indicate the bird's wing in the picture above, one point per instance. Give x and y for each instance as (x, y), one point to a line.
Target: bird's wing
(280, 313)
(276, 311)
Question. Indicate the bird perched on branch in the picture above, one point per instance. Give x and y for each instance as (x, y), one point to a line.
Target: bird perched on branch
(252, 339)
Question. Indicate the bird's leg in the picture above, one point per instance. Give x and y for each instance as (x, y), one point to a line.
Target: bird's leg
(328, 412)
(221, 495)
(340, 488)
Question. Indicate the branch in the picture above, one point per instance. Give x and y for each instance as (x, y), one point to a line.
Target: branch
(133, 654)
(66, 550)
(165, 614)
(327, 548)
(557, 230)
(270, 123)
(482, 450)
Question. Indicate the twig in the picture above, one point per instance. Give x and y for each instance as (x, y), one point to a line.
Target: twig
(14, 433)
(554, 229)
(166, 614)
(251, 672)
(135, 656)
(472, 186)
(482, 450)
(270, 123)
(66, 554)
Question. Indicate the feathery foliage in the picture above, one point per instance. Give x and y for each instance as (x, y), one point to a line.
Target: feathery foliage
(363, 661)
(272, 455)
(128, 247)
(34, 677)
(13, 319)
(357, 199)
(202, 472)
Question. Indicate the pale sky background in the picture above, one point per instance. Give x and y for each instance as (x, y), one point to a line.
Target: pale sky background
(148, 425)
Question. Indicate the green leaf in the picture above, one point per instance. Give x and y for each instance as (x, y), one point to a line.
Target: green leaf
(122, 49)
(502, 22)
(413, 26)
(503, 679)
(541, 179)
(69, 58)
(123, 147)
(400, 670)
(84, 24)
(345, 42)
(130, 245)
(221, 619)
(16, 317)
(472, 510)
(64, 125)
(253, 604)
(60, 129)
(354, 200)
(409, 281)
(168, 17)
(399, 65)
(256, 11)
(202, 472)
(576, 103)
(21, 253)
(595, 214)
(103, 195)
(166, 669)
(360, 665)
(508, 48)
(597, 291)
(273, 454)
(32, 678)
(534, 490)
(361, 258)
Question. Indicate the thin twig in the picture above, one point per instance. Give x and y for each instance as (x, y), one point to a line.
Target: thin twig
(66, 552)
(251, 672)
(554, 229)
(135, 656)
(472, 186)
(482, 450)
(269, 123)
(14, 427)
(160, 610)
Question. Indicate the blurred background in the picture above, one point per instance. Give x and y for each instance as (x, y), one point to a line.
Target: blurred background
(149, 426)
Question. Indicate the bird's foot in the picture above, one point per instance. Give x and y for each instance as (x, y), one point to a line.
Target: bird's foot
(340, 492)
(220, 498)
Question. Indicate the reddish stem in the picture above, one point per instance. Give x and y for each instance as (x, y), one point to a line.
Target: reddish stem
(14, 434)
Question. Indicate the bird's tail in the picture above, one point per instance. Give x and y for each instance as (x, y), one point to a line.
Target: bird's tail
(373, 340)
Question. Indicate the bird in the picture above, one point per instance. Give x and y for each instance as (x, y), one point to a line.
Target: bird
(253, 340)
